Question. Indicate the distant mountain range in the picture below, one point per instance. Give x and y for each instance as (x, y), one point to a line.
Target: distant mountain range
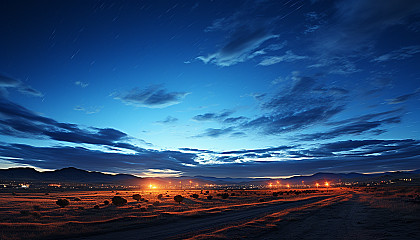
(74, 175)
(70, 174)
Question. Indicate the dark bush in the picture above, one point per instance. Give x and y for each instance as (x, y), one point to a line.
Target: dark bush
(275, 194)
(96, 207)
(160, 196)
(207, 191)
(178, 199)
(261, 200)
(209, 197)
(157, 203)
(106, 202)
(76, 199)
(137, 197)
(81, 208)
(143, 209)
(194, 196)
(232, 194)
(119, 201)
(36, 207)
(225, 195)
(62, 202)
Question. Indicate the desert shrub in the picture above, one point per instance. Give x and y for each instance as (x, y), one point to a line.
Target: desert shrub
(261, 200)
(232, 194)
(36, 207)
(117, 193)
(194, 196)
(146, 200)
(157, 203)
(106, 202)
(14, 194)
(219, 194)
(25, 212)
(209, 197)
(81, 208)
(225, 195)
(62, 202)
(137, 197)
(76, 199)
(167, 195)
(142, 199)
(275, 194)
(96, 207)
(207, 192)
(160, 196)
(143, 209)
(119, 201)
(47, 194)
(178, 199)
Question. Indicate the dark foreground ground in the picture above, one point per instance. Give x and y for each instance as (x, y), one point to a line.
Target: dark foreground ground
(364, 213)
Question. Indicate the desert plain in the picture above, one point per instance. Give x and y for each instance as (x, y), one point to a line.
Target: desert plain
(333, 213)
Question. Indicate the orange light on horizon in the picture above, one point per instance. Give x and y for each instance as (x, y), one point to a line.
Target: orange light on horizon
(152, 186)
(317, 185)
(288, 186)
(327, 184)
(270, 185)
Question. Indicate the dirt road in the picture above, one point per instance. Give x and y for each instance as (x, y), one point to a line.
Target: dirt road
(191, 226)
(341, 216)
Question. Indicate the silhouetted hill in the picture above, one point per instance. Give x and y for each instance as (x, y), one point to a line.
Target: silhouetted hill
(70, 174)
(75, 175)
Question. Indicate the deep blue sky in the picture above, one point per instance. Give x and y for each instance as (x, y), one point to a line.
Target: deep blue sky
(215, 88)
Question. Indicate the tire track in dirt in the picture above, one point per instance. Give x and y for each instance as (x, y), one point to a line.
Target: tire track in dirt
(192, 225)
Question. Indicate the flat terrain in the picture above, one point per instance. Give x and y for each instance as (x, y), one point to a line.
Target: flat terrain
(362, 213)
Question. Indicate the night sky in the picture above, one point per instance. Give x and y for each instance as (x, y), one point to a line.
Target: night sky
(210, 88)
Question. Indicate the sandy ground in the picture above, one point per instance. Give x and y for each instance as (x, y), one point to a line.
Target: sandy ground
(364, 213)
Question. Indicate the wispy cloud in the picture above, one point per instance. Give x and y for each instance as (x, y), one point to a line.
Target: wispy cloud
(152, 97)
(20, 122)
(404, 98)
(248, 32)
(88, 110)
(168, 120)
(213, 116)
(7, 82)
(63, 156)
(305, 103)
(368, 123)
(289, 56)
(216, 132)
(81, 84)
(242, 47)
